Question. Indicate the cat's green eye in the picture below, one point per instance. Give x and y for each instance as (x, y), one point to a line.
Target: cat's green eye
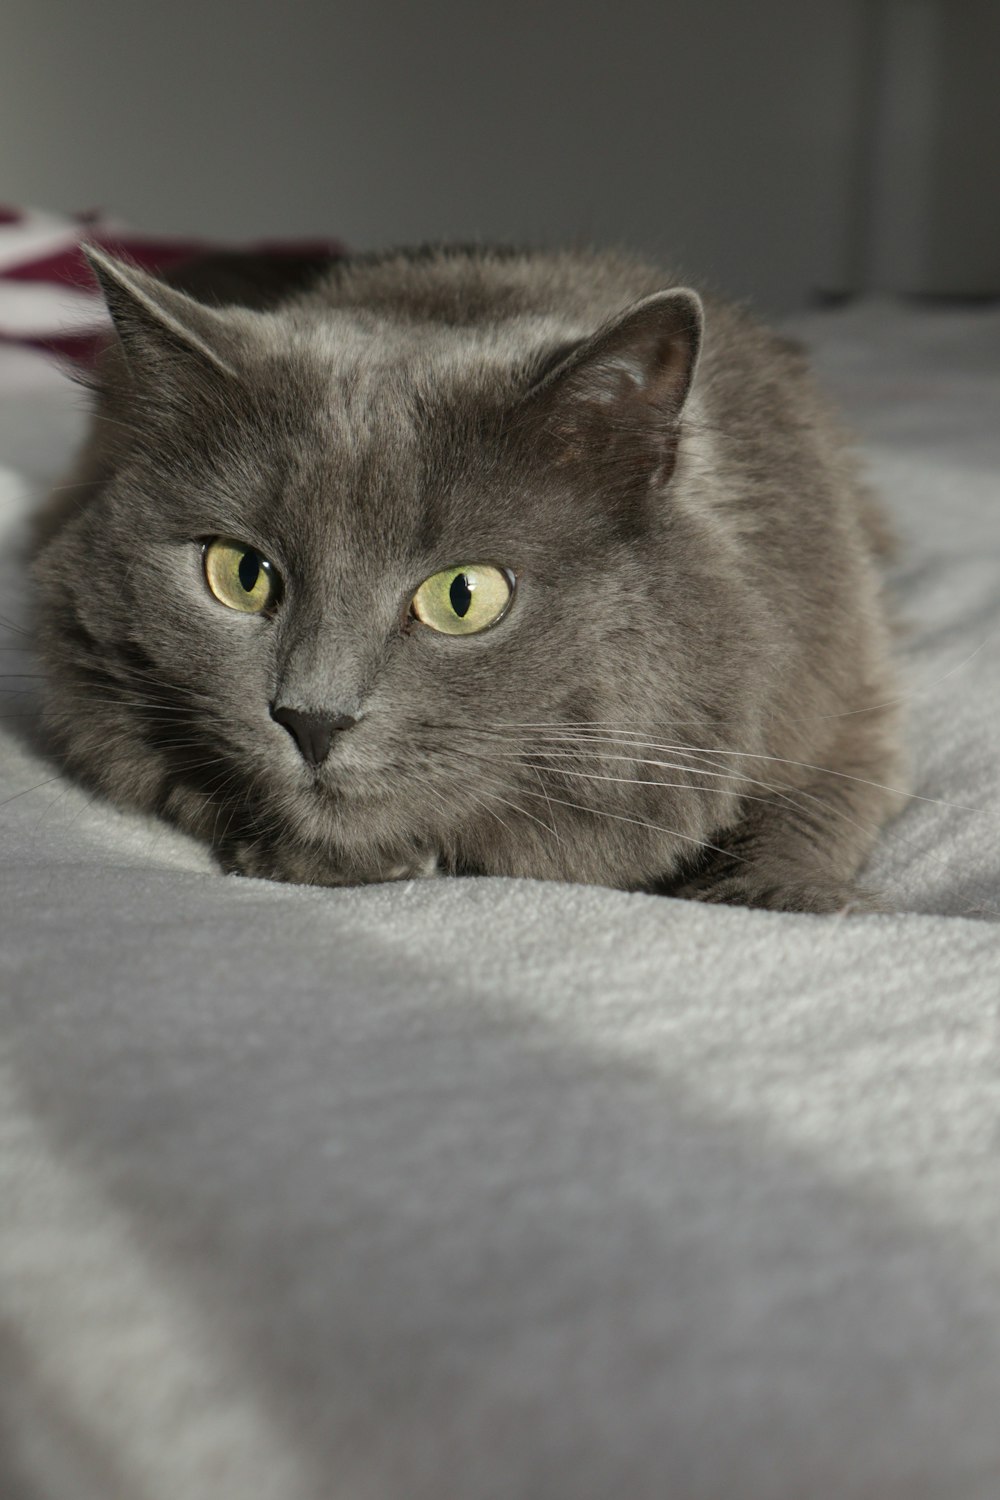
(461, 601)
(239, 576)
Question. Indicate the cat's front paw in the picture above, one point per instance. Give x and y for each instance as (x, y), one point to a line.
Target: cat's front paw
(819, 895)
(419, 866)
(306, 866)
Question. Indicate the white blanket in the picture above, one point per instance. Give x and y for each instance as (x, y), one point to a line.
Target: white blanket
(458, 1190)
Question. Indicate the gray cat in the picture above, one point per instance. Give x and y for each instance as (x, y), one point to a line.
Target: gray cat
(473, 561)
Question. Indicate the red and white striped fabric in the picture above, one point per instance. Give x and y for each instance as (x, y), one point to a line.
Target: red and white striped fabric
(47, 294)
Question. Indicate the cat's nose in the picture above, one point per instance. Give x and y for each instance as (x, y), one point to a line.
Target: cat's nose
(313, 733)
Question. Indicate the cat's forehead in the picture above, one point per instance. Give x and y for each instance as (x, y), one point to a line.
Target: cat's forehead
(374, 401)
(359, 358)
(386, 442)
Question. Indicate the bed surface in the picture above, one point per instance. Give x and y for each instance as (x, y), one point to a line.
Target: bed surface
(482, 1188)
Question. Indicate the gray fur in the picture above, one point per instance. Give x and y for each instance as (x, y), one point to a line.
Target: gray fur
(685, 693)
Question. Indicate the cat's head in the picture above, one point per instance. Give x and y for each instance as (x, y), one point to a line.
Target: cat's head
(348, 573)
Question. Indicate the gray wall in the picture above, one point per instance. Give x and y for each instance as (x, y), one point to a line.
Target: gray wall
(964, 213)
(929, 187)
(731, 136)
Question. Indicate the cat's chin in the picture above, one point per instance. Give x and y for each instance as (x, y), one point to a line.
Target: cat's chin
(352, 812)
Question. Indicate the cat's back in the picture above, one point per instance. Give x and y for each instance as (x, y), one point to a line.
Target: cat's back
(529, 301)
(470, 286)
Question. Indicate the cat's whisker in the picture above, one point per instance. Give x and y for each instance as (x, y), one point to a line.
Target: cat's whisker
(265, 829)
(167, 746)
(541, 783)
(62, 489)
(683, 786)
(478, 799)
(790, 798)
(540, 768)
(587, 735)
(431, 791)
(62, 793)
(920, 690)
(149, 714)
(771, 759)
(40, 493)
(522, 810)
(640, 823)
(778, 797)
(25, 791)
(121, 673)
(103, 416)
(466, 792)
(619, 817)
(216, 794)
(518, 757)
(549, 828)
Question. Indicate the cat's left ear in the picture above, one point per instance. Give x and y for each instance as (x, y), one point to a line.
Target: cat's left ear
(628, 382)
(155, 322)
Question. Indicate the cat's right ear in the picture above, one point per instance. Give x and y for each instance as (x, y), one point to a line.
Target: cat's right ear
(157, 325)
(617, 397)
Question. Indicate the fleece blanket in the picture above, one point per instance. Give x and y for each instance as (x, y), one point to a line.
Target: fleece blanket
(485, 1189)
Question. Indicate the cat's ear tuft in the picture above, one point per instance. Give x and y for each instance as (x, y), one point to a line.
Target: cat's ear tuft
(154, 320)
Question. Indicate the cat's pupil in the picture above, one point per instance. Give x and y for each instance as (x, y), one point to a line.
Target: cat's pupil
(249, 571)
(460, 595)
